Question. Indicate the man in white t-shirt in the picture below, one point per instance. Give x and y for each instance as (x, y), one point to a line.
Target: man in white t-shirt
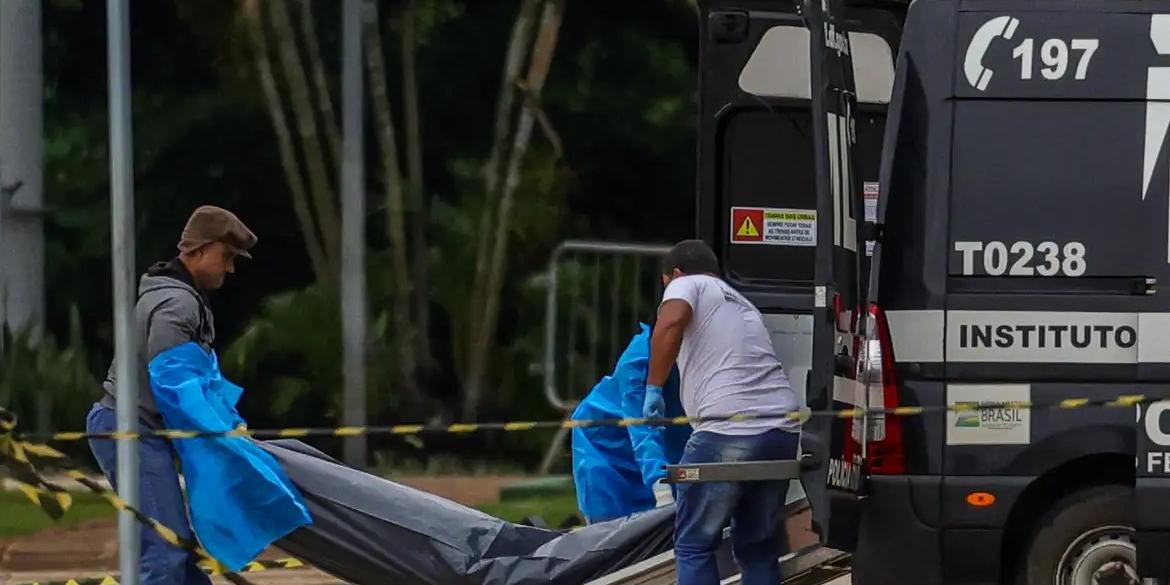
(728, 367)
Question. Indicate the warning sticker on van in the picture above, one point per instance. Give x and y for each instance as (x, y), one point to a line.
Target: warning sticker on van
(772, 226)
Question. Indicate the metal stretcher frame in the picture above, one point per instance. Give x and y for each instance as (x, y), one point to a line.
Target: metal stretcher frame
(780, 470)
(814, 564)
(795, 567)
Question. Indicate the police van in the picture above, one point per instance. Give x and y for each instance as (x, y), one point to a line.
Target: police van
(960, 208)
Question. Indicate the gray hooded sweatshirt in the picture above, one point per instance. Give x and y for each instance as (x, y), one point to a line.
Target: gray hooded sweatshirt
(170, 311)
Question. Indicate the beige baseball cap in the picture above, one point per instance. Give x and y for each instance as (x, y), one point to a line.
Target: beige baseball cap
(209, 224)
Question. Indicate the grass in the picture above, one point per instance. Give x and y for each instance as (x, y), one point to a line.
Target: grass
(21, 517)
(553, 508)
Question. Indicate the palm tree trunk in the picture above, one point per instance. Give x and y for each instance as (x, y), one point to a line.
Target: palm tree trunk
(418, 193)
(380, 99)
(324, 101)
(518, 48)
(324, 198)
(284, 140)
(542, 56)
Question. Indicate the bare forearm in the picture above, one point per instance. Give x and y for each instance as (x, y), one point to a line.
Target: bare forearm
(664, 347)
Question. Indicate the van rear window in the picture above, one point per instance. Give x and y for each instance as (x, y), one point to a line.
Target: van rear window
(767, 162)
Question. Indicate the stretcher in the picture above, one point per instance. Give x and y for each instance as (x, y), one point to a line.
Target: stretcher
(369, 530)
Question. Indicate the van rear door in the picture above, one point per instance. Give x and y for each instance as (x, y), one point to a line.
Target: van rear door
(766, 200)
(840, 248)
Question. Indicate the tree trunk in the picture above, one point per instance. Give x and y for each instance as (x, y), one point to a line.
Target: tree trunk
(380, 99)
(518, 48)
(542, 56)
(324, 198)
(288, 157)
(324, 101)
(418, 193)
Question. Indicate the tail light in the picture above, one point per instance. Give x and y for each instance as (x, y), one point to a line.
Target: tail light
(883, 453)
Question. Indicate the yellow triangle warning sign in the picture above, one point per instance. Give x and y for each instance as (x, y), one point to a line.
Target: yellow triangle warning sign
(747, 229)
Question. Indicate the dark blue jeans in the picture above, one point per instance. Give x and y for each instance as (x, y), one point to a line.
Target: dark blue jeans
(754, 510)
(160, 497)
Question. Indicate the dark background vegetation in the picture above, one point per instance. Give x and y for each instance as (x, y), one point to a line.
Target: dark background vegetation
(620, 95)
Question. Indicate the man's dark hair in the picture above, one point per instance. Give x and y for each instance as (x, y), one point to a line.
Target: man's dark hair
(691, 257)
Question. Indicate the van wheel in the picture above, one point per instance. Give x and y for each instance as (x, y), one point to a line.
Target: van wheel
(1086, 539)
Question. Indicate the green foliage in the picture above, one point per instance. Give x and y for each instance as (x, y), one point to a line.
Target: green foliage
(43, 381)
(621, 97)
(431, 15)
(290, 353)
(536, 226)
(288, 358)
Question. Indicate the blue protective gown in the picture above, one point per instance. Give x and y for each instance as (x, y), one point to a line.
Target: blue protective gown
(615, 468)
(241, 501)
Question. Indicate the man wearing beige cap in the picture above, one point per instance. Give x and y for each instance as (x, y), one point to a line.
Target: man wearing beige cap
(172, 309)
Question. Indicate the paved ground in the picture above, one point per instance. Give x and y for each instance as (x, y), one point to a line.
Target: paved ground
(90, 549)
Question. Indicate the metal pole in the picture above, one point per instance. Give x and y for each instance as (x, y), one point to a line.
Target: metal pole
(637, 286)
(353, 221)
(615, 313)
(594, 327)
(550, 334)
(22, 239)
(122, 239)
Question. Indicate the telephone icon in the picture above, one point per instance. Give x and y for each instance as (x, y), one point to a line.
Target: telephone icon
(999, 27)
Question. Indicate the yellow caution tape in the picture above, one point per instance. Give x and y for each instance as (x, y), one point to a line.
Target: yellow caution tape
(1130, 400)
(21, 456)
(18, 453)
(258, 566)
(253, 567)
(15, 455)
(1121, 401)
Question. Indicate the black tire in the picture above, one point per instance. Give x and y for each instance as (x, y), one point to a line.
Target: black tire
(1066, 522)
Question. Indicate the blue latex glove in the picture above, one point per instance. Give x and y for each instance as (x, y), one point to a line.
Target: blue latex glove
(654, 405)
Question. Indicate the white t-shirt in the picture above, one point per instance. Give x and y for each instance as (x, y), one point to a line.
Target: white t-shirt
(726, 362)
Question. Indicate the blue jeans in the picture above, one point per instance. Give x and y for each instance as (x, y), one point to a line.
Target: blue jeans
(753, 508)
(160, 497)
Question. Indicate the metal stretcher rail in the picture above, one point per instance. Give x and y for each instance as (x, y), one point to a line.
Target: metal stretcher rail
(817, 566)
(812, 566)
(737, 471)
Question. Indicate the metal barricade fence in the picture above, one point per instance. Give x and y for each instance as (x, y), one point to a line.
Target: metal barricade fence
(597, 294)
